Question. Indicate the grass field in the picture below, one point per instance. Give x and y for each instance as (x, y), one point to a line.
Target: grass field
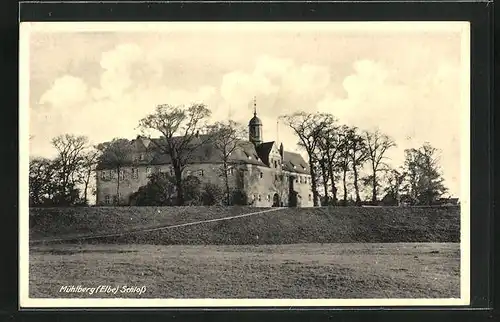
(400, 270)
(329, 252)
(285, 226)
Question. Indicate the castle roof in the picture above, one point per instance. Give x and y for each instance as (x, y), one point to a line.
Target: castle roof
(205, 152)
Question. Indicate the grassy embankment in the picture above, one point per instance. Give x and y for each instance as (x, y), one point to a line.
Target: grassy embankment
(285, 226)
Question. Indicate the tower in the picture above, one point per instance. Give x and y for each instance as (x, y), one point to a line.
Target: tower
(255, 127)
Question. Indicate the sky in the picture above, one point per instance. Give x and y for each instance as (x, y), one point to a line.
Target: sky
(100, 80)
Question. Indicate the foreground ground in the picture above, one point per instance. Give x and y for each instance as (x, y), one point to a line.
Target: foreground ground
(389, 270)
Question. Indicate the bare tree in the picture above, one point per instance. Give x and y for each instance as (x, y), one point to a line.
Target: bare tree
(358, 155)
(180, 129)
(89, 163)
(309, 127)
(70, 150)
(344, 160)
(329, 150)
(226, 138)
(116, 154)
(377, 145)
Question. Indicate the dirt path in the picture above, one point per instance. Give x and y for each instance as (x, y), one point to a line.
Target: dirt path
(149, 229)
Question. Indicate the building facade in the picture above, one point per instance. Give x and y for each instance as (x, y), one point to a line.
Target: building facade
(269, 175)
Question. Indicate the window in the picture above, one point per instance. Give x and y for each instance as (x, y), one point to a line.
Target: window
(141, 157)
(296, 179)
(122, 174)
(305, 179)
(200, 172)
(115, 199)
(171, 171)
(231, 171)
(135, 173)
(310, 198)
(188, 172)
(276, 177)
(261, 175)
(268, 197)
(103, 175)
(148, 171)
(259, 198)
(300, 180)
(106, 199)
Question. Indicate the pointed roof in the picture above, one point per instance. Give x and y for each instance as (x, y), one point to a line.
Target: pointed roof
(255, 120)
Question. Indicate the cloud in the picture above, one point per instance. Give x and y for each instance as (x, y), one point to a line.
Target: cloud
(418, 110)
(67, 90)
(280, 86)
(130, 87)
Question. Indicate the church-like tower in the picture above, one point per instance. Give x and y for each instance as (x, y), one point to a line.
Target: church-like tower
(255, 127)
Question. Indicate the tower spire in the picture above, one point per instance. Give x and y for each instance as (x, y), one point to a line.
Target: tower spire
(255, 106)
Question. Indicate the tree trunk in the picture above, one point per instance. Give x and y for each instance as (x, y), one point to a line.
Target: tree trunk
(118, 187)
(85, 189)
(226, 182)
(313, 184)
(374, 186)
(356, 187)
(334, 187)
(344, 181)
(325, 181)
(178, 185)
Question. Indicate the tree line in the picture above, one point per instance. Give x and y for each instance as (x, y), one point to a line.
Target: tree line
(334, 151)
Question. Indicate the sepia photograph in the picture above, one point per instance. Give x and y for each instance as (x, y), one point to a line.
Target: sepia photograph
(221, 164)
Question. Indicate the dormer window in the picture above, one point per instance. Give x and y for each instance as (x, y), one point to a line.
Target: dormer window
(249, 157)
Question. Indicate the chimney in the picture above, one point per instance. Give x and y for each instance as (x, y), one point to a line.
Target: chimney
(281, 150)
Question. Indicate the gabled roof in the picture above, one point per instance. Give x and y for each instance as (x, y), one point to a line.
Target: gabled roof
(294, 162)
(263, 150)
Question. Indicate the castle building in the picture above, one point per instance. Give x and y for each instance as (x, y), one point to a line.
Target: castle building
(269, 175)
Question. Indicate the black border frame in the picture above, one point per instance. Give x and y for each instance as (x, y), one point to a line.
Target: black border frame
(480, 14)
